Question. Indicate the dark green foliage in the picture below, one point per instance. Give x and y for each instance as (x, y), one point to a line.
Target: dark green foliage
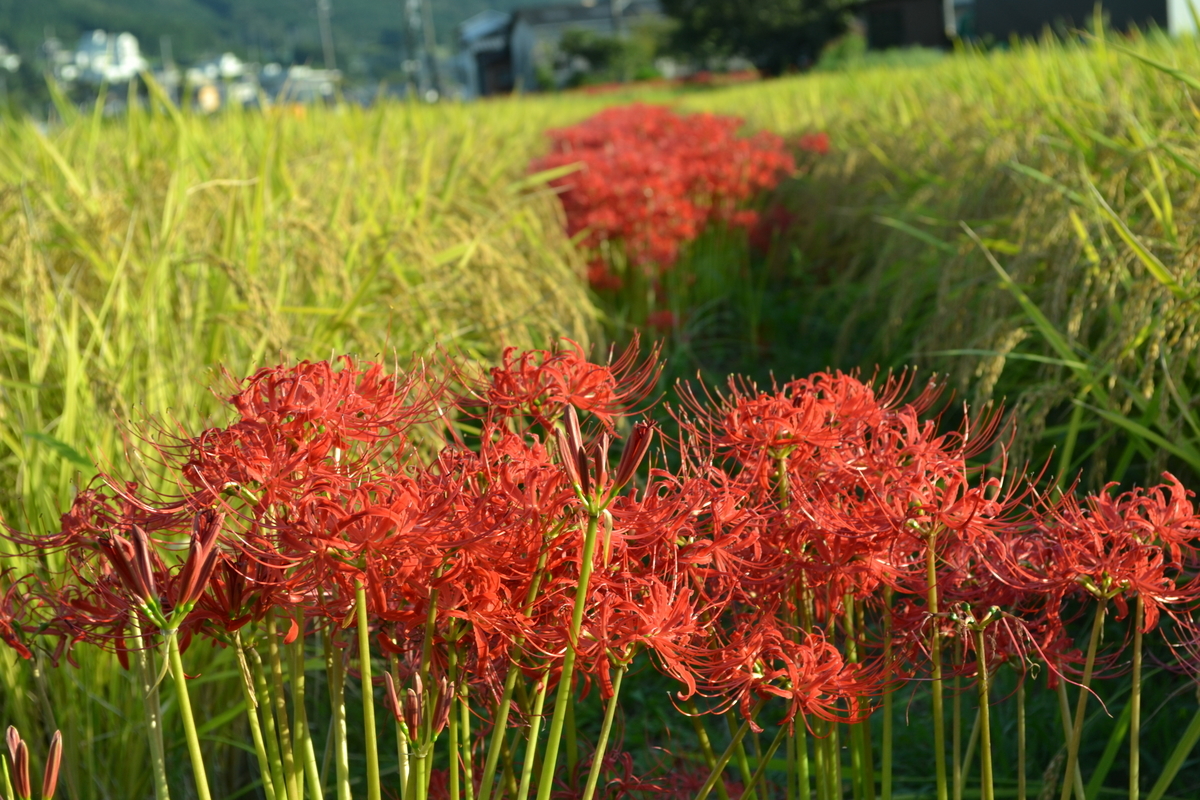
(777, 35)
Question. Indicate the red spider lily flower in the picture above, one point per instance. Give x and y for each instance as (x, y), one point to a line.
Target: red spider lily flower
(541, 384)
(816, 142)
(654, 180)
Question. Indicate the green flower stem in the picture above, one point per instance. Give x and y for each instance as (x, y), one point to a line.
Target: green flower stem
(535, 724)
(262, 694)
(281, 716)
(1021, 786)
(260, 749)
(714, 777)
(821, 764)
(888, 713)
(739, 756)
(305, 751)
(499, 730)
(605, 730)
(464, 730)
(368, 690)
(710, 758)
(185, 713)
(935, 657)
(452, 741)
(1064, 710)
(152, 706)
(500, 726)
(780, 736)
(803, 781)
(835, 756)
(550, 760)
(336, 667)
(1081, 706)
(1135, 703)
(402, 760)
(985, 729)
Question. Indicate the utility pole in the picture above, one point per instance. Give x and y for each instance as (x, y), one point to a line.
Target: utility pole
(413, 51)
(326, 34)
(431, 45)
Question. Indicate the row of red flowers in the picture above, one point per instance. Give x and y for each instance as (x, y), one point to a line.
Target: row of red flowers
(808, 544)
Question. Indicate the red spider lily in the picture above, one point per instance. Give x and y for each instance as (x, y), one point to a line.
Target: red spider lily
(654, 180)
(541, 384)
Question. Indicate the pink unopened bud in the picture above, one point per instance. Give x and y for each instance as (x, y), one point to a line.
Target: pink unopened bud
(142, 562)
(53, 763)
(21, 783)
(202, 556)
(600, 459)
(412, 712)
(392, 700)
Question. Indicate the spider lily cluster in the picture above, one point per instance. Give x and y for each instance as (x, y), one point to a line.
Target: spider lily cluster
(480, 551)
(652, 181)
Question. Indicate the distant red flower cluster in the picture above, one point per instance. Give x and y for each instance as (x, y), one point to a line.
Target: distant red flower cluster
(653, 180)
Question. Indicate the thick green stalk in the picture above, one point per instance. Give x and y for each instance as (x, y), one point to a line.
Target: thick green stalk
(368, 690)
(152, 706)
(189, 722)
(262, 694)
(706, 749)
(764, 759)
(566, 676)
(888, 713)
(835, 755)
(1081, 706)
(260, 749)
(935, 657)
(535, 725)
(956, 764)
(985, 729)
(739, 755)
(464, 729)
(286, 753)
(499, 729)
(401, 733)
(1064, 710)
(1135, 704)
(719, 768)
(821, 766)
(1021, 787)
(452, 742)
(336, 667)
(803, 781)
(605, 730)
(305, 752)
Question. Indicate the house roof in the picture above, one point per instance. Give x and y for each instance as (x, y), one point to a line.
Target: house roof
(484, 24)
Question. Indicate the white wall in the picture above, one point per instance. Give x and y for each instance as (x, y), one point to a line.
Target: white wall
(1179, 18)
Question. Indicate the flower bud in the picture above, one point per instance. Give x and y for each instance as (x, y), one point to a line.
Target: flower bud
(636, 447)
(202, 556)
(441, 713)
(600, 459)
(53, 763)
(21, 783)
(144, 566)
(393, 700)
(412, 712)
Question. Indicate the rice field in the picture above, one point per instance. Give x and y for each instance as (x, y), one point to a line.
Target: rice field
(1023, 222)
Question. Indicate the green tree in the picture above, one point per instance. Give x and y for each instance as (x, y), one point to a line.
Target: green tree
(775, 35)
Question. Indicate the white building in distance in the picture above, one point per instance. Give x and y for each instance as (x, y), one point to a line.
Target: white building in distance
(102, 57)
